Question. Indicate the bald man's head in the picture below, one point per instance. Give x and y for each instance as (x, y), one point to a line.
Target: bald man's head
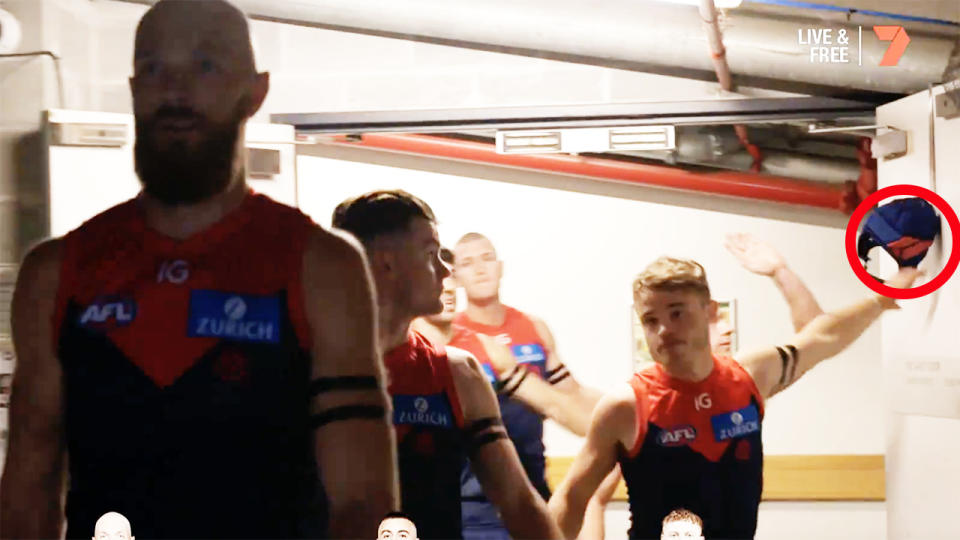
(194, 87)
(477, 268)
(112, 526)
(216, 24)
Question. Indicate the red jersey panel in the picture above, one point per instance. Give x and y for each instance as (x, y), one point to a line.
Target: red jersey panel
(467, 340)
(139, 287)
(428, 420)
(186, 368)
(523, 424)
(699, 447)
(517, 332)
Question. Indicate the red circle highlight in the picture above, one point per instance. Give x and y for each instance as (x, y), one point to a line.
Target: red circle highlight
(874, 199)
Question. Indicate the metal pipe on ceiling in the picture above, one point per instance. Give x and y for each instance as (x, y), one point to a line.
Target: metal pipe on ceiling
(727, 183)
(645, 36)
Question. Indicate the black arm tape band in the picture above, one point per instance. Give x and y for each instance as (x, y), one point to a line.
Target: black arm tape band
(507, 392)
(551, 372)
(507, 379)
(482, 424)
(558, 377)
(475, 443)
(783, 362)
(347, 412)
(326, 384)
(795, 355)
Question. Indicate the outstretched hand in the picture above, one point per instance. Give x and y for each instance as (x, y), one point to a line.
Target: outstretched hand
(903, 279)
(500, 355)
(754, 255)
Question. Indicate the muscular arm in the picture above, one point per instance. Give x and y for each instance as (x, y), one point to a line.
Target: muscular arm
(354, 441)
(594, 527)
(827, 335)
(612, 427)
(803, 306)
(33, 477)
(761, 258)
(538, 394)
(496, 463)
(572, 403)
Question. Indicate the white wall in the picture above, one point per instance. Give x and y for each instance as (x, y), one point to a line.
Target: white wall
(924, 408)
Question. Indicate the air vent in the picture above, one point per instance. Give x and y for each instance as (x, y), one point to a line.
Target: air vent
(107, 135)
(576, 141)
(263, 163)
(528, 142)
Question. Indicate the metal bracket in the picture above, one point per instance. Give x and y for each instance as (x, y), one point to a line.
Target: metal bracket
(948, 103)
(890, 145)
(819, 128)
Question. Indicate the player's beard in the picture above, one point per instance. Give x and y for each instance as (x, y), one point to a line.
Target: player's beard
(181, 173)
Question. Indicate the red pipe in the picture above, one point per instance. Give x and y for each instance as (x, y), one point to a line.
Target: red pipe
(730, 183)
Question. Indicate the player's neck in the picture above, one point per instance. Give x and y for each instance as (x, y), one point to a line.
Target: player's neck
(394, 326)
(440, 333)
(487, 312)
(694, 368)
(181, 222)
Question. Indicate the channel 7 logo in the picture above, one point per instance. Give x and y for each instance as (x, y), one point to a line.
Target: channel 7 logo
(898, 38)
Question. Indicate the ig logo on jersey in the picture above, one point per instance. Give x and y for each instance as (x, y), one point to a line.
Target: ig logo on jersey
(702, 401)
(175, 272)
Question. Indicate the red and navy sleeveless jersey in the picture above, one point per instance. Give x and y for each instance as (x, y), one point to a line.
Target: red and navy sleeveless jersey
(698, 447)
(467, 340)
(186, 372)
(523, 424)
(429, 425)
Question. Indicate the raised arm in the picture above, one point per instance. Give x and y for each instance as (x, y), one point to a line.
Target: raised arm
(493, 457)
(354, 439)
(33, 477)
(612, 427)
(776, 368)
(536, 393)
(761, 258)
(594, 527)
(578, 396)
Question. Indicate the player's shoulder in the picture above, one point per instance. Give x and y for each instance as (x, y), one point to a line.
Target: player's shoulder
(334, 251)
(43, 259)
(275, 211)
(38, 278)
(618, 405)
(538, 324)
(108, 222)
(464, 364)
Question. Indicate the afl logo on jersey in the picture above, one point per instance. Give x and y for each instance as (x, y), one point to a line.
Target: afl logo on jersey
(677, 436)
(109, 312)
(235, 317)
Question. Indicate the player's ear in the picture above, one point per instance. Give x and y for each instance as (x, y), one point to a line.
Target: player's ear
(713, 310)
